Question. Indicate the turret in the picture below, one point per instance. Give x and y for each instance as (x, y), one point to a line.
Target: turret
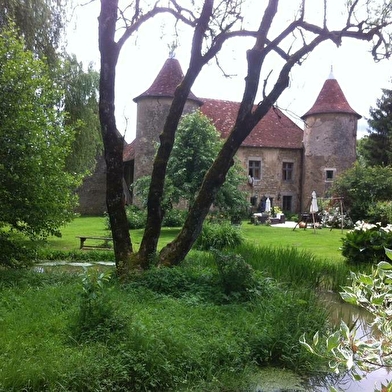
(152, 109)
(329, 141)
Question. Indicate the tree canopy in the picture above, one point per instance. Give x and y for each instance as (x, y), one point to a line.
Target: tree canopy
(39, 22)
(362, 187)
(81, 105)
(376, 148)
(196, 146)
(35, 190)
(286, 41)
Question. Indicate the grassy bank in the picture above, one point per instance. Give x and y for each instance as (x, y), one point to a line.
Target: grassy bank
(207, 325)
(177, 329)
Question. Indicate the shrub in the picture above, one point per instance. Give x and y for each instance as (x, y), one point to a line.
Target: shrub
(96, 318)
(16, 252)
(219, 236)
(366, 243)
(381, 212)
(136, 217)
(236, 275)
(174, 218)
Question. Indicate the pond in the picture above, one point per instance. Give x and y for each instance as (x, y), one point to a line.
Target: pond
(278, 380)
(340, 310)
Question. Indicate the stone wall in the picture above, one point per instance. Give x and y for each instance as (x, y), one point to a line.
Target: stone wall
(271, 184)
(92, 193)
(329, 145)
(151, 117)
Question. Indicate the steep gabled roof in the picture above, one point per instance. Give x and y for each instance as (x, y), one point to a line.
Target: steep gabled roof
(129, 151)
(275, 130)
(165, 84)
(331, 100)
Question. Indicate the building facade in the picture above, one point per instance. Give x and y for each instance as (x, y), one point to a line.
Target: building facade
(281, 161)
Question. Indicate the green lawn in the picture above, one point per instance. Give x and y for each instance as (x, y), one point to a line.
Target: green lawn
(322, 243)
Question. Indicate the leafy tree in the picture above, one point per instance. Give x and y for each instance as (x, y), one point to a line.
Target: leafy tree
(195, 148)
(81, 105)
(39, 22)
(35, 191)
(362, 188)
(213, 25)
(376, 148)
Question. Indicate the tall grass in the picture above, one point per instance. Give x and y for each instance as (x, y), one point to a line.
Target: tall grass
(296, 267)
(176, 333)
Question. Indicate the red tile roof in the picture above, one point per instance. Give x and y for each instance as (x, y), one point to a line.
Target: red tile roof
(275, 130)
(165, 84)
(129, 151)
(331, 100)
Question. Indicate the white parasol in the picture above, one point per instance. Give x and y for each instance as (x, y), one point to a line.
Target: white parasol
(314, 208)
(313, 204)
(268, 205)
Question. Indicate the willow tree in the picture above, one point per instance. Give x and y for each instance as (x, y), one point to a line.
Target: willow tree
(287, 43)
(40, 22)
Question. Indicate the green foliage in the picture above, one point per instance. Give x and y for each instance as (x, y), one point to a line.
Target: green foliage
(345, 349)
(96, 319)
(376, 148)
(366, 243)
(218, 236)
(36, 193)
(40, 23)
(174, 218)
(235, 274)
(174, 331)
(381, 212)
(48, 254)
(362, 187)
(136, 217)
(16, 252)
(299, 268)
(196, 146)
(81, 104)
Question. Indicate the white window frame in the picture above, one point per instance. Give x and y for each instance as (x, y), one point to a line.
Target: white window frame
(326, 171)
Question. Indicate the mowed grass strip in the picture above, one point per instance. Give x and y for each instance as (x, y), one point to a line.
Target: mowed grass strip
(323, 243)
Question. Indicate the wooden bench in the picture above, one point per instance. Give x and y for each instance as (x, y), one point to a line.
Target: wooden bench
(105, 245)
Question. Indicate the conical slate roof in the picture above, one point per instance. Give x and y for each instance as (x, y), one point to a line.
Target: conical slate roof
(165, 84)
(331, 100)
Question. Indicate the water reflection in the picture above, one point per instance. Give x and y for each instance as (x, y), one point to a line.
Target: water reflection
(351, 315)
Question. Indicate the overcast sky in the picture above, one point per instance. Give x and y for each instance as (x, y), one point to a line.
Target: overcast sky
(141, 59)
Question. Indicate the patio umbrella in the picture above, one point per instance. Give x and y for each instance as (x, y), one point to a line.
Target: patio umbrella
(313, 204)
(314, 208)
(268, 205)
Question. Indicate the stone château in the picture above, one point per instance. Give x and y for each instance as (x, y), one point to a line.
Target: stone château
(282, 161)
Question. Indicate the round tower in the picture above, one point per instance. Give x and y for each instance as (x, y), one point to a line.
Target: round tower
(329, 140)
(152, 109)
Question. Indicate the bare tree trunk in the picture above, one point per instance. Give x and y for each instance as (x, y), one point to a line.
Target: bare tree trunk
(112, 140)
(148, 247)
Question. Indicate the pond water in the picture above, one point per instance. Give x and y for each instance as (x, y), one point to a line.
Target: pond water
(280, 380)
(340, 310)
